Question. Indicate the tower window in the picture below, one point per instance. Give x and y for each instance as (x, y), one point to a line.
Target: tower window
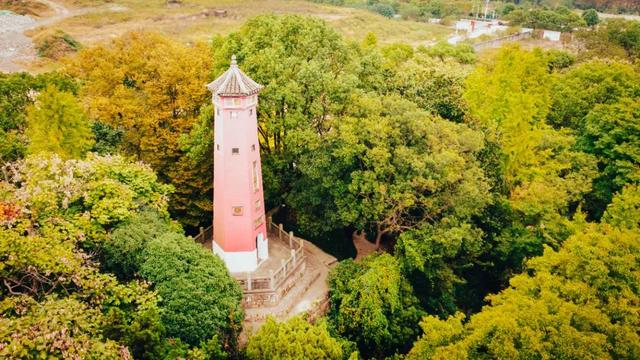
(235, 151)
(253, 147)
(250, 111)
(218, 111)
(255, 175)
(237, 101)
(218, 147)
(234, 114)
(257, 222)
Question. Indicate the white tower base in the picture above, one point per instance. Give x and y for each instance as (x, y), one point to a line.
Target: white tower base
(243, 261)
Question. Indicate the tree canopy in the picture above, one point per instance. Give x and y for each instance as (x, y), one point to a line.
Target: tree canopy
(373, 305)
(568, 305)
(57, 123)
(294, 339)
(152, 89)
(501, 190)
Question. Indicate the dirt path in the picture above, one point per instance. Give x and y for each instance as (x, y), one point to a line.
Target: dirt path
(619, 16)
(363, 246)
(17, 49)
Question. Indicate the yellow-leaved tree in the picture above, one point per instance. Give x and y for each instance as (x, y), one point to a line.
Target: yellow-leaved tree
(152, 89)
(56, 123)
(509, 98)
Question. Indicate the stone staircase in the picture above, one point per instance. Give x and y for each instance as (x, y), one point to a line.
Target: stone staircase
(309, 293)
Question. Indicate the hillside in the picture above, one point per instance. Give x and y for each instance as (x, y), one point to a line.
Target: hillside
(195, 19)
(613, 6)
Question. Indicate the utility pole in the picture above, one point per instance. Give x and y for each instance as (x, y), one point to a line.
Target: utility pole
(486, 9)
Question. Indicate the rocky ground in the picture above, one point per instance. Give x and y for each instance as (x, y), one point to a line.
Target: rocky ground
(16, 49)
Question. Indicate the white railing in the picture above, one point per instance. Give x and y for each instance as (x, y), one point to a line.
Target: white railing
(275, 278)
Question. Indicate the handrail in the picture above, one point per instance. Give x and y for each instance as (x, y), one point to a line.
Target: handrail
(204, 235)
(251, 284)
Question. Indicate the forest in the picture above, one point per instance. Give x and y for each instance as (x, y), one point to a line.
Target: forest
(453, 9)
(501, 190)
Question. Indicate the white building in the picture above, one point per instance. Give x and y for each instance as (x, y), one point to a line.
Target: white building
(470, 29)
(551, 35)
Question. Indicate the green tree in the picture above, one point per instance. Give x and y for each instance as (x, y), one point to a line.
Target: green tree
(538, 177)
(624, 210)
(591, 17)
(391, 169)
(306, 68)
(625, 33)
(383, 9)
(434, 82)
(108, 138)
(509, 95)
(198, 298)
(373, 305)
(294, 339)
(17, 92)
(57, 123)
(615, 38)
(435, 258)
(579, 89)
(575, 303)
(54, 300)
(558, 19)
(509, 98)
(612, 134)
(53, 328)
(122, 252)
(463, 53)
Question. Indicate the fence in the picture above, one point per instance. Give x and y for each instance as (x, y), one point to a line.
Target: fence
(205, 235)
(275, 278)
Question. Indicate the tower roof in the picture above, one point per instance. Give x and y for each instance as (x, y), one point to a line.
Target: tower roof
(234, 82)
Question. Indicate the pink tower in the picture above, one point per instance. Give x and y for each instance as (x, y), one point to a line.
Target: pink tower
(239, 224)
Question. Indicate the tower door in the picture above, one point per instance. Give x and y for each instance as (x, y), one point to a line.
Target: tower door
(261, 246)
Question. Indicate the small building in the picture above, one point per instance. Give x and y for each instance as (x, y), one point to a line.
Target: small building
(471, 29)
(551, 35)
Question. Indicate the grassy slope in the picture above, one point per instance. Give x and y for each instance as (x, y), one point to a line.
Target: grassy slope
(186, 23)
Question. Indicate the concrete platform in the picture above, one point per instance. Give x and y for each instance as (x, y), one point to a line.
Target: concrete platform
(279, 251)
(298, 284)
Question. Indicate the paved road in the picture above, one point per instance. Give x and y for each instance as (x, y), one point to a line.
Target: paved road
(16, 49)
(620, 16)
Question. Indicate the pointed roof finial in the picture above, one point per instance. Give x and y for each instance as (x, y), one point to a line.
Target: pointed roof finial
(234, 82)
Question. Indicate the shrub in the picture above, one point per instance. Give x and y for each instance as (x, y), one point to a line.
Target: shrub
(293, 339)
(55, 44)
(385, 10)
(591, 17)
(122, 251)
(199, 300)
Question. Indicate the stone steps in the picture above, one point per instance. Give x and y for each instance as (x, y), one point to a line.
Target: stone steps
(288, 301)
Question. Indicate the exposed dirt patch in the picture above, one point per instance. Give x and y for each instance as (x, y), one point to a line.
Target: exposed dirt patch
(27, 7)
(16, 48)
